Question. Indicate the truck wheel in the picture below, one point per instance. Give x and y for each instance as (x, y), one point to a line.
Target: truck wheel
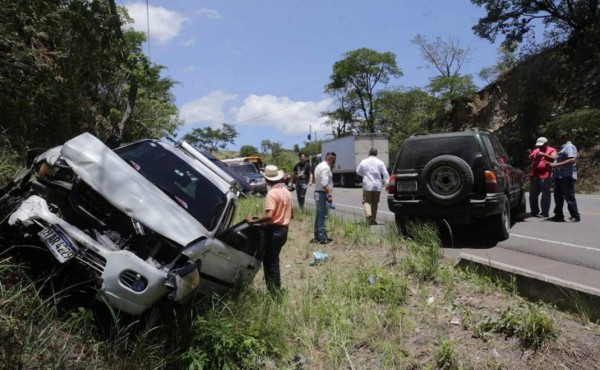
(447, 179)
(500, 223)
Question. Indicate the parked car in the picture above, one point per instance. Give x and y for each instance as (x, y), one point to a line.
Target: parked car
(145, 222)
(245, 188)
(249, 172)
(460, 177)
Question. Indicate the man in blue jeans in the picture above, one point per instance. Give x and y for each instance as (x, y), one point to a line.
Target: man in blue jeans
(323, 196)
(302, 178)
(564, 171)
(540, 177)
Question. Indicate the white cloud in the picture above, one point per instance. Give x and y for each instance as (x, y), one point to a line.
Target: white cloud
(279, 113)
(207, 109)
(285, 115)
(209, 13)
(165, 24)
(190, 69)
(189, 42)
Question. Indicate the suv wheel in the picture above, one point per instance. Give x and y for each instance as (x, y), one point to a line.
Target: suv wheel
(500, 223)
(448, 179)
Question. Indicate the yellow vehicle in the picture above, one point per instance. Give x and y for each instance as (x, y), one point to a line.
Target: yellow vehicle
(255, 160)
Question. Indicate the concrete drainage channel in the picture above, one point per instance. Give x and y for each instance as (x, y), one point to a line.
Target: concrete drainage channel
(565, 295)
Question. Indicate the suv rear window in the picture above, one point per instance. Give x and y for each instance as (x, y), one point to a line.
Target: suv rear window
(416, 153)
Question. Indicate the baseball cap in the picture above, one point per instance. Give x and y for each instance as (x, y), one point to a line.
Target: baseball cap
(541, 141)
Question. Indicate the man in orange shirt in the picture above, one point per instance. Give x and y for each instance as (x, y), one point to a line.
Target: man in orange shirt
(540, 176)
(277, 217)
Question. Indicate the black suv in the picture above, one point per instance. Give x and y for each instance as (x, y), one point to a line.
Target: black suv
(460, 177)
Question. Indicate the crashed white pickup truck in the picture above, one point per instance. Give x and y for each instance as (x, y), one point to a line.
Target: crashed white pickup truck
(145, 221)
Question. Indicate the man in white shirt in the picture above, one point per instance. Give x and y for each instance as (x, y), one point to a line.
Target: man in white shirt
(323, 195)
(374, 176)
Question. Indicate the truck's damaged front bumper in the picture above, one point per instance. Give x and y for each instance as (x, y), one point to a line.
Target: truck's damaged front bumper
(128, 282)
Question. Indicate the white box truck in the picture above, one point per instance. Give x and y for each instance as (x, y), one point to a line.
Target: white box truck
(350, 150)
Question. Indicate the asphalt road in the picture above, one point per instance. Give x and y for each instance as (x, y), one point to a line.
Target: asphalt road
(573, 243)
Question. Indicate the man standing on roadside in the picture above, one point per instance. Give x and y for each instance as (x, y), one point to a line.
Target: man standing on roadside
(323, 196)
(564, 170)
(277, 217)
(374, 176)
(540, 177)
(302, 178)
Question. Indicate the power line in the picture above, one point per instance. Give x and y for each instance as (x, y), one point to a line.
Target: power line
(148, 27)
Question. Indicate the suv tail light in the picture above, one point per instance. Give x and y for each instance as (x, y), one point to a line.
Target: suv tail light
(392, 184)
(491, 182)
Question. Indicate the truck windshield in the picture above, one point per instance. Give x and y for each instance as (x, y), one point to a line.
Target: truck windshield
(244, 169)
(183, 183)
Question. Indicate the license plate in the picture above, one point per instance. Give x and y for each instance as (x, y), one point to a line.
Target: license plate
(59, 244)
(406, 186)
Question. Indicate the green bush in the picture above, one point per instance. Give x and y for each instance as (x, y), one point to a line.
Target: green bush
(529, 324)
(10, 163)
(581, 124)
(223, 342)
(380, 286)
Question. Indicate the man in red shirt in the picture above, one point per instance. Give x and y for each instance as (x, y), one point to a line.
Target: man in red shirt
(540, 177)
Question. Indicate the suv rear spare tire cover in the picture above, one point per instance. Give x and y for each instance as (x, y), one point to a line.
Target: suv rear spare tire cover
(447, 179)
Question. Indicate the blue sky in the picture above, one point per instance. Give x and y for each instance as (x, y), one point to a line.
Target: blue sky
(262, 64)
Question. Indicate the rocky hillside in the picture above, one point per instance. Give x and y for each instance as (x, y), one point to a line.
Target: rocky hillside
(558, 89)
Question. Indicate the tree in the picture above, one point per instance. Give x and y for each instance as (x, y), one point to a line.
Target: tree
(353, 83)
(265, 146)
(448, 58)
(67, 67)
(575, 19)
(506, 61)
(212, 139)
(405, 112)
(248, 150)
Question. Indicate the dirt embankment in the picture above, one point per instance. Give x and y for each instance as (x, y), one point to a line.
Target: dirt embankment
(533, 99)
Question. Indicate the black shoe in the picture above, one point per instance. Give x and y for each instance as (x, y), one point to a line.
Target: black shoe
(556, 219)
(325, 241)
(574, 219)
(545, 215)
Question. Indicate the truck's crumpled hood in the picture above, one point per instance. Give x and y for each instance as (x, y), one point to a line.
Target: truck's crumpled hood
(127, 190)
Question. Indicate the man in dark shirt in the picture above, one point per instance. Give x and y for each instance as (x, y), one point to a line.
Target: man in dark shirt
(302, 178)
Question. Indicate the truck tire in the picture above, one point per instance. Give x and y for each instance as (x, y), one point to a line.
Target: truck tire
(447, 179)
(343, 181)
(500, 223)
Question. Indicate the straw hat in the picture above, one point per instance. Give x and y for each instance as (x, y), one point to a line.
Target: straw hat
(272, 173)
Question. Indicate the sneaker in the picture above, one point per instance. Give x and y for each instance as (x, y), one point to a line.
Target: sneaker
(325, 241)
(574, 219)
(545, 215)
(556, 219)
(373, 222)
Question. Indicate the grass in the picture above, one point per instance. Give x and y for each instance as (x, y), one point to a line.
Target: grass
(379, 301)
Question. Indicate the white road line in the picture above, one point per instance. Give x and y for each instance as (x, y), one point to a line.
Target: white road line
(556, 242)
